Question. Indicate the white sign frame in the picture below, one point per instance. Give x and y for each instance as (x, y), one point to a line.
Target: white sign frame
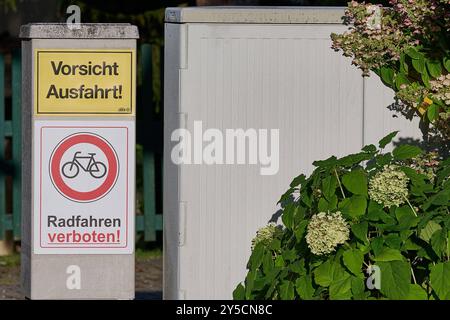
(65, 225)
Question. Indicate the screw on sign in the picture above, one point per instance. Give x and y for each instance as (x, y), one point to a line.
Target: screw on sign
(76, 170)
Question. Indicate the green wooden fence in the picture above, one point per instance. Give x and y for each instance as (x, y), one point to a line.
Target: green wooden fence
(149, 135)
(10, 146)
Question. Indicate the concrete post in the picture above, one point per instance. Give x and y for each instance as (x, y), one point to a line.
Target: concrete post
(78, 142)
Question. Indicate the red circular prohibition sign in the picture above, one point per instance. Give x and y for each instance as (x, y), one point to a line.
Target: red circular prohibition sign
(81, 196)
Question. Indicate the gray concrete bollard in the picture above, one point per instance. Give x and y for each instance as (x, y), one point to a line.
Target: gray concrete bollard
(78, 156)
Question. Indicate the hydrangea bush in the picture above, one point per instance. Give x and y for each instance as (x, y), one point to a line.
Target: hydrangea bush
(386, 213)
(408, 46)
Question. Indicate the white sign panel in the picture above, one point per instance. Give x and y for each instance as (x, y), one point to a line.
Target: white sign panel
(83, 187)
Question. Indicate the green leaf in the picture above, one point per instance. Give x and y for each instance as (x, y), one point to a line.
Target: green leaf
(433, 112)
(446, 62)
(260, 283)
(406, 218)
(329, 185)
(267, 263)
(403, 64)
(287, 196)
(387, 75)
(289, 255)
(377, 245)
(369, 148)
(300, 230)
(323, 274)
(405, 234)
(299, 215)
(341, 289)
(383, 159)
(306, 198)
(440, 279)
(426, 79)
(388, 254)
(387, 139)
(239, 292)
(395, 279)
(393, 241)
(430, 228)
(290, 212)
(249, 284)
(416, 292)
(275, 244)
(279, 262)
(434, 68)
(411, 245)
(439, 242)
(358, 288)
(413, 53)
(360, 231)
(354, 206)
(340, 286)
(375, 212)
(352, 159)
(419, 65)
(406, 151)
(400, 79)
(256, 257)
(286, 290)
(299, 180)
(353, 260)
(330, 205)
(304, 287)
(448, 242)
(416, 178)
(331, 161)
(356, 182)
(442, 198)
(298, 267)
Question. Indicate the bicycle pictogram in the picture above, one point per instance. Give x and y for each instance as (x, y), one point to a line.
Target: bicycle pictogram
(77, 160)
(96, 169)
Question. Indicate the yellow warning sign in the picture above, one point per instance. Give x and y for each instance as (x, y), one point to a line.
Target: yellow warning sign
(84, 82)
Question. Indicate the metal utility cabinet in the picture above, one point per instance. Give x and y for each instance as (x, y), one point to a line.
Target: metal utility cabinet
(259, 68)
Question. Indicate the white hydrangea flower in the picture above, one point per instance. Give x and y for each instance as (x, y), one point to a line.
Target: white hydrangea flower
(266, 234)
(326, 231)
(389, 187)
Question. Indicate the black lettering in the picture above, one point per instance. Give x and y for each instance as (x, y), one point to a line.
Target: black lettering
(83, 70)
(73, 93)
(56, 70)
(51, 221)
(52, 92)
(66, 70)
(89, 69)
(97, 70)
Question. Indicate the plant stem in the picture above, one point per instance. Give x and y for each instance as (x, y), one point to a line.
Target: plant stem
(414, 277)
(339, 181)
(347, 245)
(414, 211)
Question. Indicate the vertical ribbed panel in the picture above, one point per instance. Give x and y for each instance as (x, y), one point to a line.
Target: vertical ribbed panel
(379, 120)
(282, 77)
